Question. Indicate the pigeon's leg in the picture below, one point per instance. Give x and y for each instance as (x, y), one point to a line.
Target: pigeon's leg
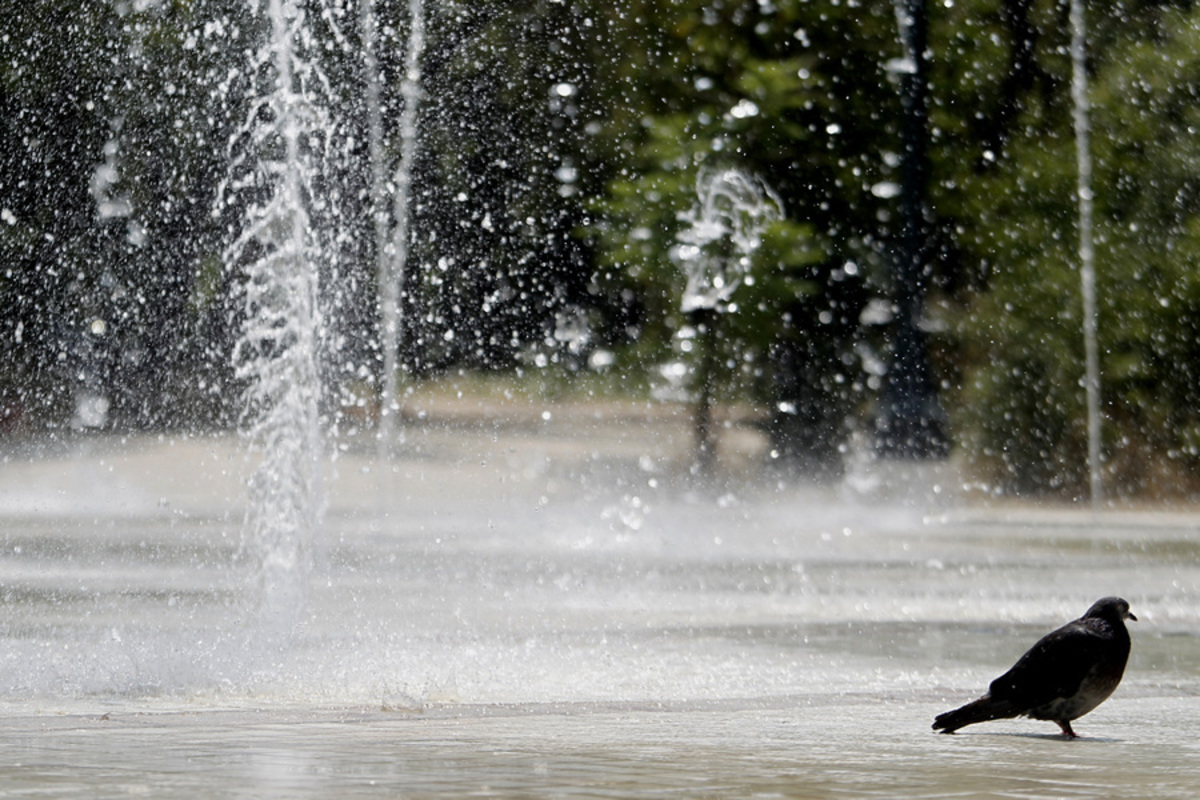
(1066, 728)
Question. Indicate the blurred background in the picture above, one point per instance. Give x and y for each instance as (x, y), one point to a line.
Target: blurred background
(921, 263)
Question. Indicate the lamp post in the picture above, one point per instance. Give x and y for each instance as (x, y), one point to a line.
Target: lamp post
(1087, 251)
(911, 423)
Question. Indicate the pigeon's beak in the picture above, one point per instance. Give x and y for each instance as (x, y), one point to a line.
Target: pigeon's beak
(1129, 615)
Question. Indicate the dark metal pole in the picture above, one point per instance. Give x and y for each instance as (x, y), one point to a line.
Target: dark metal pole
(911, 423)
(704, 320)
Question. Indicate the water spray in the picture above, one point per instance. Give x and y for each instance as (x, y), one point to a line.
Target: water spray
(280, 253)
(715, 250)
(392, 262)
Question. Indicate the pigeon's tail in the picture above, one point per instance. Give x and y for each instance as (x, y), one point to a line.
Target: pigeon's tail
(981, 710)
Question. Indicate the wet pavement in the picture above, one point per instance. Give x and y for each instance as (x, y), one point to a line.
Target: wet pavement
(535, 614)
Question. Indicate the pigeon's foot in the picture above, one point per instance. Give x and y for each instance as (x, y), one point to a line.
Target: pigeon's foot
(1067, 731)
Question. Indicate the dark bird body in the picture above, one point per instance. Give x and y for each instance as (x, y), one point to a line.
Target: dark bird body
(1064, 676)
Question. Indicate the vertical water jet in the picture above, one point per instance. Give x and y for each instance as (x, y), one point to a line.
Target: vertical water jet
(279, 251)
(394, 264)
(380, 221)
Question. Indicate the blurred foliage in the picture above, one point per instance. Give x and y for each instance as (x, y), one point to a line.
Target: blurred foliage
(766, 89)
(561, 141)
(1021, 408)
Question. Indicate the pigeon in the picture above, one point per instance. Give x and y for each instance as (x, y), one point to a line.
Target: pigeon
(1064, 676)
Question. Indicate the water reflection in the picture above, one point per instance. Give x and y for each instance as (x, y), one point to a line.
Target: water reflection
(857, 747)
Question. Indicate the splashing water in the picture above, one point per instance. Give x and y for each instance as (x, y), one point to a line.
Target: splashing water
(278, 353)
(715, 251)
(723, 231)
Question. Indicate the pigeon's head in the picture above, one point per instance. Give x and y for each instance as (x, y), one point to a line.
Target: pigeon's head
(1111, 608)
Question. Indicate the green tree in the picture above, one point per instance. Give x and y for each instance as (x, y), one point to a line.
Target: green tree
(798, 94)
(1021, 332)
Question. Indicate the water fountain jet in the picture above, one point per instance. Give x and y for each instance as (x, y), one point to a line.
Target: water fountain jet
(715, 250)
(277, 356)
(392, 256)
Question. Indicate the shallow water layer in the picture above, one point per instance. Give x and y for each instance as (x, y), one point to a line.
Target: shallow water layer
(497, 621)
(848, 747)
